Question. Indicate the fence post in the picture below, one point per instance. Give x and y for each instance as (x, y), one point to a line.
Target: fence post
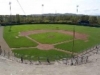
(86, 59)
(97, 49)
(82, 59)
(21, 59)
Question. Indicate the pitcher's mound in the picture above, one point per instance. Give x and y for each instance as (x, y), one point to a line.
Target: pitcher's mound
(45, 46)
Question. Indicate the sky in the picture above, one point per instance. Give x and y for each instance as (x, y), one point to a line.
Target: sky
(88, 7)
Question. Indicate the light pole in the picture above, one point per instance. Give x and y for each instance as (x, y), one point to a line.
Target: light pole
(10, 14)
(77, 9)
(10, 7)
(74, 30)
(42, 11)
(74, 37)
(42, 8)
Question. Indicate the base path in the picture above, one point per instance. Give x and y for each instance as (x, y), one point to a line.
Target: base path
(3, 43)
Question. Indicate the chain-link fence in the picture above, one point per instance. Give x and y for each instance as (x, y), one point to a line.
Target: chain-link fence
(79, 59)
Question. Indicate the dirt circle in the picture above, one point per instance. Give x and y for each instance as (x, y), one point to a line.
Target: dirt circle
(45, 46)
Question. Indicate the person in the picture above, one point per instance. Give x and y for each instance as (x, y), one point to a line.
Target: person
(0, 50)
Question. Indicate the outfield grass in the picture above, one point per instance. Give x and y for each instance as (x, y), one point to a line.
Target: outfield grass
(79, 45)
(42, 54)
(50, 37)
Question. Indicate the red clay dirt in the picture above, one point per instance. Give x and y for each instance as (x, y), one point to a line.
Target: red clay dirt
(77, 35)
(45, 46)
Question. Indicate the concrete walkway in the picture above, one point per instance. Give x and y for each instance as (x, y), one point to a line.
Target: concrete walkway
(3, 43)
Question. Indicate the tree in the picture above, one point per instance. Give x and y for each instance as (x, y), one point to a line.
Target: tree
(17, 18)
(98, 19)
(93, 20)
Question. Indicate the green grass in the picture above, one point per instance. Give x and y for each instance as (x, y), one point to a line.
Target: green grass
(14, 42)
(50, 37)
(27, 27)
(79, 45)
(42, 54)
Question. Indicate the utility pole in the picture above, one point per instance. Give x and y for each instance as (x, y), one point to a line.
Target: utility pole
(10, 14)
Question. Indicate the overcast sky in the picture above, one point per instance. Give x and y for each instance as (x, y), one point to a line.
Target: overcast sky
(50, 6)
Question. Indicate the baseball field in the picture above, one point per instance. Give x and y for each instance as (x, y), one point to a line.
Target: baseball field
(53, 41)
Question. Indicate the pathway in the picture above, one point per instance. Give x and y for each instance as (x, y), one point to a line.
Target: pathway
(33, 40)
(63, 42)
(3, 43)
(65, 51)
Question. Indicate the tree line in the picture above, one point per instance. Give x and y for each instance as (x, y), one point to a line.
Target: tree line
(50, 18)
